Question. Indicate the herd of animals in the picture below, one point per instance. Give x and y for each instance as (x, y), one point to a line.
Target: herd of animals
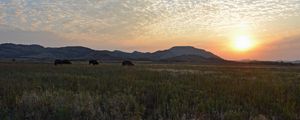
(91, 62)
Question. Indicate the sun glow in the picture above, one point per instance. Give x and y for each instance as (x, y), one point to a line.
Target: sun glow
(243, 43)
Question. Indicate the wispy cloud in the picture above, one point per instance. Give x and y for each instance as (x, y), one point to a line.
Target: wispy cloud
(141, 17)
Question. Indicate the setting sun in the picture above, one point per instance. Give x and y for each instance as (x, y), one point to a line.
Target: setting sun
(243, 43)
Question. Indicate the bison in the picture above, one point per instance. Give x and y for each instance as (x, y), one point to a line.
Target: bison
(61, 62)
(127, 63)
(93, 62)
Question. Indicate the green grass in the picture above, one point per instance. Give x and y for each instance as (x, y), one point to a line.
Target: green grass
(110, 91)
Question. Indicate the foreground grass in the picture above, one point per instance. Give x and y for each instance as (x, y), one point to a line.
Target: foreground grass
(43, 91)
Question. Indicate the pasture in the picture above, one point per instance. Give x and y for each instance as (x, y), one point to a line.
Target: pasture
(148, 91)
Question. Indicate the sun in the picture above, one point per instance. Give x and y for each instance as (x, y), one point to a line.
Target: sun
(243, 43)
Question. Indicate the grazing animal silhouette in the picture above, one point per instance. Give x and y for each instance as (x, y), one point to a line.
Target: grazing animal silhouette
(61, 62)
(127, 63)
(93, 62)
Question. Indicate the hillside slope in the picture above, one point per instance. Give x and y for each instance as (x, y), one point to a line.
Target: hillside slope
(179, 53)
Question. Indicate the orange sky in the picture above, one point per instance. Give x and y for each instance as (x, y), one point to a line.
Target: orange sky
(150, 25)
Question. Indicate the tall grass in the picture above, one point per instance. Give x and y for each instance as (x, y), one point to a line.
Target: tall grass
(109, 91)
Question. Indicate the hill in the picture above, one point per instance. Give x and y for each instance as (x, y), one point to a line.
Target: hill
(174, 54)
(297, 61)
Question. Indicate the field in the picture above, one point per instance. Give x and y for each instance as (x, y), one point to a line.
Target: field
(149, 91)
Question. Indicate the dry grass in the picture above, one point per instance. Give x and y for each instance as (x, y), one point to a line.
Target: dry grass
(109, 91)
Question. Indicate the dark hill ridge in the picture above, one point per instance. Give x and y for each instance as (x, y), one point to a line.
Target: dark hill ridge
(184, 51)
(178, 53)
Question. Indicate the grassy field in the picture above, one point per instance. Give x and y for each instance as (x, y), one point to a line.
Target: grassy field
(174, 92)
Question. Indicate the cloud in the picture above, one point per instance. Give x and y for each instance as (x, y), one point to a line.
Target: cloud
(142, 23)
(14, 35)
(141, 18)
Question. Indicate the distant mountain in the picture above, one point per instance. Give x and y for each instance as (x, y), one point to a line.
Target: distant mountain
(194, 59)
(175, 54)
(297, 61)
(183, 51)
(261, 62)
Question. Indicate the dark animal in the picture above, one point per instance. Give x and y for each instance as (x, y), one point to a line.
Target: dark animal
(93, 62)
(127, 63)
(62, 62)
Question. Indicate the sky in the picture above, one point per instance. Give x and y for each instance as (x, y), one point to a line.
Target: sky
(149, 25)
